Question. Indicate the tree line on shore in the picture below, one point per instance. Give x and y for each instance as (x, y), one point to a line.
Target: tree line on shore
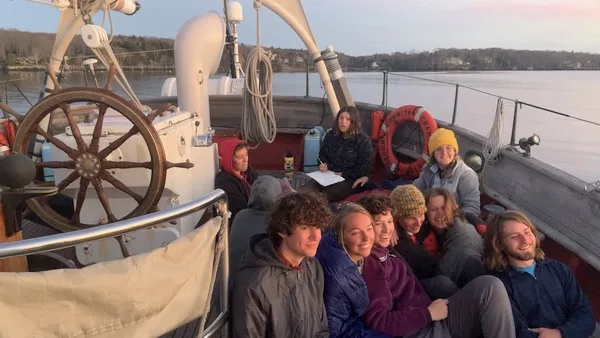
(31, 51)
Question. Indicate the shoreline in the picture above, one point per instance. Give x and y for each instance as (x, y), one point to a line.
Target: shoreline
(6, 69)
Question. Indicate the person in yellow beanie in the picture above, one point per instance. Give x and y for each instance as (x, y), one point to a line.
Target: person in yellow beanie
(447, 170)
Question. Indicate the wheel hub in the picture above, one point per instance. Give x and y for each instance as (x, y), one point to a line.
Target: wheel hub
(87, 165)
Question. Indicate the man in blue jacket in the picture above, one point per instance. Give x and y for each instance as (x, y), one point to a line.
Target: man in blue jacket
(547, 301)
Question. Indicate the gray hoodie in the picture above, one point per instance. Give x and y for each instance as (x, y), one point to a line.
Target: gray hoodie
(461, 242)
(271, 299)
(249, 222)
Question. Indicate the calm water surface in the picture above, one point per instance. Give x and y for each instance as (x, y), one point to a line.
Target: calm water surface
(567, 144)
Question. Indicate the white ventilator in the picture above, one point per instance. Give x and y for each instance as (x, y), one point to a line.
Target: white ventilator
(96, 39)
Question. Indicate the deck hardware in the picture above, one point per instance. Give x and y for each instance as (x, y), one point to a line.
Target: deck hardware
(475, 160)
(202, 140)
(592, 186)
(526, 143)
(17, 171)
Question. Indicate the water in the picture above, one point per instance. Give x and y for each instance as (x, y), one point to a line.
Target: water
(567, 144)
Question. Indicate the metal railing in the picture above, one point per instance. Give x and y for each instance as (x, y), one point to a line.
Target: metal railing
(65, 240)
(518, 104)
(14, 83)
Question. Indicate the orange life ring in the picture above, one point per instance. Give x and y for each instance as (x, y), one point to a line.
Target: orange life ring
(393, 120)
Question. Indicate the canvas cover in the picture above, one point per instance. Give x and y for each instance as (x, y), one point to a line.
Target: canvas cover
(141, 296)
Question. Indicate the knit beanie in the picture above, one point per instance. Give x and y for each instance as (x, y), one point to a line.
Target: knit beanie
(408, 201)
(441, 137)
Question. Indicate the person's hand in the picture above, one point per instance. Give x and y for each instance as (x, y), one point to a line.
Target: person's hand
(547, 333)
(438, 309)
(360, 182)
(323, 167)
(339, 174)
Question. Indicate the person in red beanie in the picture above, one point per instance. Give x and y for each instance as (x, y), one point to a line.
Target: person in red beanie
(236, 176)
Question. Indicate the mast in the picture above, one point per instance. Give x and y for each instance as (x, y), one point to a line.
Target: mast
(292, 12)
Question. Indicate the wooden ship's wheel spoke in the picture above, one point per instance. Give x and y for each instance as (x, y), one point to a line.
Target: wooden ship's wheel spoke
(72, 153)
(88, 162)
(81, 146)
(95, 142)
(105, 175)
(83, 186)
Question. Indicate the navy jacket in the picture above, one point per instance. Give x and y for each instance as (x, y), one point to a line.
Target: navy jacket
(346, 298)
(553, 299)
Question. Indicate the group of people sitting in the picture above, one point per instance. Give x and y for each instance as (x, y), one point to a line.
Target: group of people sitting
(409, 264)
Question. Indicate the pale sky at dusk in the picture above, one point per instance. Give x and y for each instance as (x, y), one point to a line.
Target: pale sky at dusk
(369, 26)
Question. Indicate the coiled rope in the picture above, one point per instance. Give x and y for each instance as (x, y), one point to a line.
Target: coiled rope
(491, 146)
(258, 116)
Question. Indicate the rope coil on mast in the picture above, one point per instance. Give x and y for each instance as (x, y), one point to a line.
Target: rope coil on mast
(258, 116)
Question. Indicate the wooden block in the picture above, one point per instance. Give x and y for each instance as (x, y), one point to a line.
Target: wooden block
(14, 264)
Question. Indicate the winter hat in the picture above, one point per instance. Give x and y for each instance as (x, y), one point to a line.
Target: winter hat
(408, 201)
(441, 137)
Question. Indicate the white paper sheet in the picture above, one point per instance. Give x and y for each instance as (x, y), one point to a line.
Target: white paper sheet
(325, 178)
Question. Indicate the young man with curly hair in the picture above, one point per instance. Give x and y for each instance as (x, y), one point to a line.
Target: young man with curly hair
(278, 291)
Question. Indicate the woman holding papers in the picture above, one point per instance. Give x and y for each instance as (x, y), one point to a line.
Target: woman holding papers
(346, 152)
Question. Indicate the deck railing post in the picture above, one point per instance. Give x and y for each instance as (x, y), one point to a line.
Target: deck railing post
(307, 76)
(385, 89)
(455, 105)
(513, 133)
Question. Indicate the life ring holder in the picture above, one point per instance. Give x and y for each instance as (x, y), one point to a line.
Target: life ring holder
(408, 113)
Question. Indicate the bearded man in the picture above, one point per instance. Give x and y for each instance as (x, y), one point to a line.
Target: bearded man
(546, 300)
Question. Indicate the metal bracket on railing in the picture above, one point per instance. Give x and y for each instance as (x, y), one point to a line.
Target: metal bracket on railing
(592, 186)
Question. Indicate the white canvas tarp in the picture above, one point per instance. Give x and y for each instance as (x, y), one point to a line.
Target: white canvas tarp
(142, 296)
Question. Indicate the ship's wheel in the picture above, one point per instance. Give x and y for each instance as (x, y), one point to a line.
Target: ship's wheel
(89, 163)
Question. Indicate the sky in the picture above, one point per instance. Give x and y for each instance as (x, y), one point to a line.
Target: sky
(363, 27)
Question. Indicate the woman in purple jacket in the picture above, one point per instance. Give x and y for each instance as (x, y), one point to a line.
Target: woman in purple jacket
(400, 307)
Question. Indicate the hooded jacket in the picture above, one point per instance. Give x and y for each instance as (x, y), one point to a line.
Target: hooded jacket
(346, 297)
(271, 299)
(398, 304)
(249, 222)
(459, 243)
(237, 187)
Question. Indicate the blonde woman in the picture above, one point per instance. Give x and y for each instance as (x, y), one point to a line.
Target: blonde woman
(341, 253)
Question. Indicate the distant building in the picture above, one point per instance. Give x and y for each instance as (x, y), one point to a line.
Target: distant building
(454, 61)
(374, 65)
